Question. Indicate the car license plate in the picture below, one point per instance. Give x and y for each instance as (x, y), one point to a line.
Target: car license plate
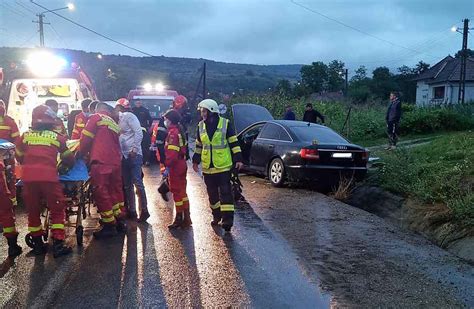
(342, 155)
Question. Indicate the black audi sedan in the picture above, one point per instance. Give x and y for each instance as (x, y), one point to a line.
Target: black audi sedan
(295, 151)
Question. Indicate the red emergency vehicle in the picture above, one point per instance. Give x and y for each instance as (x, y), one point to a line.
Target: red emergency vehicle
(158, 101)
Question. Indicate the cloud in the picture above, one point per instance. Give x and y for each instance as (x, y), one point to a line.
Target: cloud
(264, 32)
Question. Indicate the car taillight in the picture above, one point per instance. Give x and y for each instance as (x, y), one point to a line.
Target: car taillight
(310, 154)
(365, 155)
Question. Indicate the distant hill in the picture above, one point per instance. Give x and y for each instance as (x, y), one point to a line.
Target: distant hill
(181, 74)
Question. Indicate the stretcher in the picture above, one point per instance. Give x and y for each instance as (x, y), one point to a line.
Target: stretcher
(78, 194)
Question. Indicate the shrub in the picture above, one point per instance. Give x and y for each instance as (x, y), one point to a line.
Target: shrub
(367, 121)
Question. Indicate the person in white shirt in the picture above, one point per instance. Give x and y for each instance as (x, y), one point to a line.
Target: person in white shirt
(131, 136)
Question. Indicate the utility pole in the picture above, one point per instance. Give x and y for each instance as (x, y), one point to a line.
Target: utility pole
(204, 90)
(41, 17)
(462, 77)
(41, 23)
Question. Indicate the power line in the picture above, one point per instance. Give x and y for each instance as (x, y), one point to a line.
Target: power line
(12, 10)
(25, 7)
(28, 41)
(426, 44)
(354, 28)
(57, 35)
(93, 31)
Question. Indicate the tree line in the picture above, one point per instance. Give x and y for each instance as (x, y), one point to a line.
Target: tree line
(320, 77)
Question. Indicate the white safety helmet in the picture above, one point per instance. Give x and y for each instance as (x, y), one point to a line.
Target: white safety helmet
(210, 105)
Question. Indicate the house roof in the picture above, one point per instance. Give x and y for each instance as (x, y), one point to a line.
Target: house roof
(447, 70)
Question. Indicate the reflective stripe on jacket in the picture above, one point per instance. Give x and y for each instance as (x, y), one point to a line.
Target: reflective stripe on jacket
(38, 153)
(216, 150)
(100, 138)
(175, 146)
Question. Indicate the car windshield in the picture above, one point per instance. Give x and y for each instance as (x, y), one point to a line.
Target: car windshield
(157, 107)
(320, 135)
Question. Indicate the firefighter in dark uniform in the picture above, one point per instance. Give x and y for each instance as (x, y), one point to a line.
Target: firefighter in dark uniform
(217, 150)
(158, 138)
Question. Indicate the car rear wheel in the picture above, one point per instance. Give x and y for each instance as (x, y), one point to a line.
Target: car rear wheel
(276, 173)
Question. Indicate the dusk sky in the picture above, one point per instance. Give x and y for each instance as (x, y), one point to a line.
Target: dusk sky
(246, 31)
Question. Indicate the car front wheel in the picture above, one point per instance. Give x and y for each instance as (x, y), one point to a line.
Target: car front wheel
(276, 173)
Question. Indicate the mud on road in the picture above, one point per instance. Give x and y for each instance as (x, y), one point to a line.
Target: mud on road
(359, 258)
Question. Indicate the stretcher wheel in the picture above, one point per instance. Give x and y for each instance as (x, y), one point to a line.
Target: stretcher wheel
(79, 235)
(29, 241)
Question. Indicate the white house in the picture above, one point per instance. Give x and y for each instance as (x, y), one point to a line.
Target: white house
(440, 83)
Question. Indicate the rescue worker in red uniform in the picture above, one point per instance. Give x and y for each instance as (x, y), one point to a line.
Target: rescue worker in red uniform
(37, 152)
(8, 132)
(81, 119)
(92, 107)
(59, 127)
(100, 139)
(180, 104)
(176, 168)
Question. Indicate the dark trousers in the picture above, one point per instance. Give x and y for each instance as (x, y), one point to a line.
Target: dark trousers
(219, 190)
(146, 142)
(132, 178)
(392, 132)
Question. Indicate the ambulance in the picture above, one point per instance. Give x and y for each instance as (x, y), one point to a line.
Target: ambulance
(42, 76)
(156, 99)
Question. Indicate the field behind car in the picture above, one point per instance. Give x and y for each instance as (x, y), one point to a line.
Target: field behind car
(366, 124)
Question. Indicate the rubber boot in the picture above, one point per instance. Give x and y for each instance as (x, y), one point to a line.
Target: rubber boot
(13, 248)
(39, 247)
(107, 231)
(187, 219)
(59, 249)
(178, 221)
(216, 217)
(227, 220)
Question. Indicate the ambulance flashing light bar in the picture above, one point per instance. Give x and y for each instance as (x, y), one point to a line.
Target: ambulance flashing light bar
(158, 87)
(45, 64)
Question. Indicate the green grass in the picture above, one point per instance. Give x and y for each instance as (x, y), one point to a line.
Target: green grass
(367, 122)
(383, 141)
(439, 172)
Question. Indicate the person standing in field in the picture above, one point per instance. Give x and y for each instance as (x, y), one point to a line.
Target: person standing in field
(289, 114)
(393, 116)
(311, 115)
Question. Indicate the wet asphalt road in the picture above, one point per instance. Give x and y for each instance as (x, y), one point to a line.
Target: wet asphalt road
(152, 267)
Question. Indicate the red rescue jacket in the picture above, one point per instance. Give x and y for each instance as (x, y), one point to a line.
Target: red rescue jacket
(175, 147)
(100, 139)
(38, 152)
(9, 130)
(79, 125)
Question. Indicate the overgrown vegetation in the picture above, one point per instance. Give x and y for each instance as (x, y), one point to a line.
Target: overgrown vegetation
(439, 172)
(367, 121)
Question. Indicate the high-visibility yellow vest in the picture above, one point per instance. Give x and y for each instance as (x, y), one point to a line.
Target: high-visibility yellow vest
(216, 150)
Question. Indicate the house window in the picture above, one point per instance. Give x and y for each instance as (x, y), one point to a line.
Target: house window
(438, 92)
